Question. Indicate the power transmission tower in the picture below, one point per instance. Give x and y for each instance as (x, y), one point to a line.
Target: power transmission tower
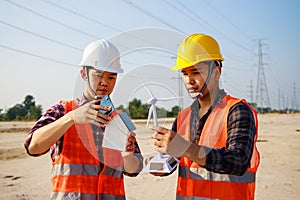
(251, 91)
(262, 97)
(180, 90)
(294, 99)
(180, 87)
(283, 102)
(279, 106)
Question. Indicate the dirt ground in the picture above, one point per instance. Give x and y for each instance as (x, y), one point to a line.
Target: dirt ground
(24, 177)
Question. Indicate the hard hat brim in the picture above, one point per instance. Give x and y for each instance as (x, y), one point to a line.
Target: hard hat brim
(107, 69)
(110, 69)
(177, 67)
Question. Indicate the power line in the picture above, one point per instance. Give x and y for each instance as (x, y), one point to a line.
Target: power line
(52, 20)
(238, 59)
(192, 17)
(191, 12)
(183, 12)
(152, 16)
(81, 15)
(37, 56)
(55, 21)
(99, 23)
(228, 20)
(54, 60)
(40, 36)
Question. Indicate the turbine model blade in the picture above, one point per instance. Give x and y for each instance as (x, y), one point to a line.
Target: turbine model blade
(168, 98)
(149, 91)
(149, 115)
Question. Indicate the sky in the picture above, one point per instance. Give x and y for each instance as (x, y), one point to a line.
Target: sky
(42, 41)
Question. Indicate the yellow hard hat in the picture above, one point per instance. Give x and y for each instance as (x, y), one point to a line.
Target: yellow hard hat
(197, 48)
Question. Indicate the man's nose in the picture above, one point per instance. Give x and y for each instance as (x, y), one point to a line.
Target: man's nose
(103, 81)
(190, 79)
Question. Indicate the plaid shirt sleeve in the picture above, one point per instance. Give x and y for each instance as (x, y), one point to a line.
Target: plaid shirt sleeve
(48, 117)
(235, 157)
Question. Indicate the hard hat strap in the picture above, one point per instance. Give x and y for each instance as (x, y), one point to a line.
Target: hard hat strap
(87, 70)
(211, 66)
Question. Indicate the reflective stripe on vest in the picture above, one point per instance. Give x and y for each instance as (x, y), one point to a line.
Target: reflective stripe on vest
(198, 183)
(80, 196)
(83, 170)
(73, 195)
(76, 171)
(180, 197)
(203, 174)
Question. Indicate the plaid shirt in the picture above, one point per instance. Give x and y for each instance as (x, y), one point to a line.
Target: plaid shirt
(54, 113)
(235, 157)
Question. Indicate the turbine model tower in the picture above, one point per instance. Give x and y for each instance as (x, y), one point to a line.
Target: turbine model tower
(160, 162)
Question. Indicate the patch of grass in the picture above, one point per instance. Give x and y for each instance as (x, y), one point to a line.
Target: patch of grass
(262, 140)
(14, 130)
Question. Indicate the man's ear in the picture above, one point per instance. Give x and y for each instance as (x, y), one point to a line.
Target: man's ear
(218, 72)
(219, 69)
(83, 74)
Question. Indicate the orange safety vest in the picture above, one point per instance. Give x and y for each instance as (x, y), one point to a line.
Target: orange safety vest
(76, 172)
(195, 182)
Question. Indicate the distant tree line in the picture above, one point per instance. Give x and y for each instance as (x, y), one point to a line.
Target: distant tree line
(137, 110)
(27, 110)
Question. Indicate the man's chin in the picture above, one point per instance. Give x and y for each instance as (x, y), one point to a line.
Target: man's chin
(196, 95)
(101, 94)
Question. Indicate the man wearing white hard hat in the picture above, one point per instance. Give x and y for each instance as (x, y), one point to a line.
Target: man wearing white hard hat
(73, 132)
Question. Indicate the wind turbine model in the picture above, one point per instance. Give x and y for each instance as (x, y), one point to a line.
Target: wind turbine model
(160, 162)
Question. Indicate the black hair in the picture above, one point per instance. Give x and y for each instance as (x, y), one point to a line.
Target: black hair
(217, 63)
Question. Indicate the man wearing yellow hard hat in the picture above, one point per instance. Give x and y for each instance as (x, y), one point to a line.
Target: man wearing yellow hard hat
(215, 137)
(73, 131)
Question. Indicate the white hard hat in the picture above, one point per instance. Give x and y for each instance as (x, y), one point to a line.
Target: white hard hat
(102, 55)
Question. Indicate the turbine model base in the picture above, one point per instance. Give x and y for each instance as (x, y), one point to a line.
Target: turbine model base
(161, 163)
